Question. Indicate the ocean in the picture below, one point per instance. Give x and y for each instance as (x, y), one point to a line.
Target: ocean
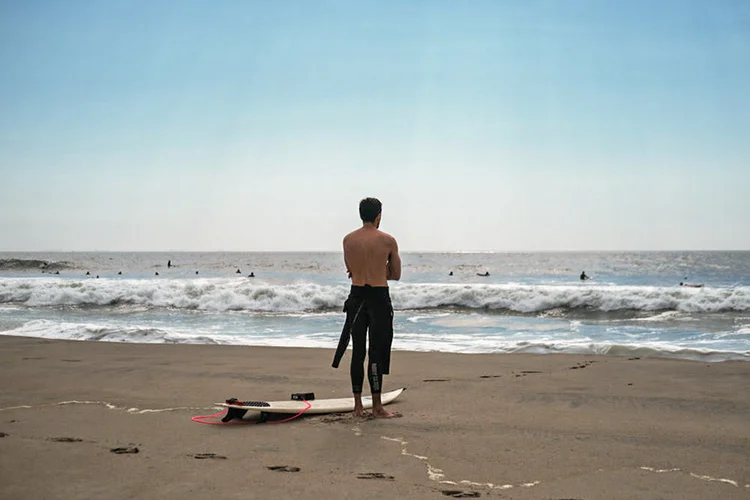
(633, 305)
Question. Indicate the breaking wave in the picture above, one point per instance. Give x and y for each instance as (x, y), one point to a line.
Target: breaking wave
(32, 264)
(222, 294)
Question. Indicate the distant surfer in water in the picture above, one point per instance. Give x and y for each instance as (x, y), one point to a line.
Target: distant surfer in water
(692, 285)
(584, 277)
(371, 258)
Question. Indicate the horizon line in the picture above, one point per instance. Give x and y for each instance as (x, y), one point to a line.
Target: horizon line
(401, 251)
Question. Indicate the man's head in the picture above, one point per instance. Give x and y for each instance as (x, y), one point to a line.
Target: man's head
(369, 210)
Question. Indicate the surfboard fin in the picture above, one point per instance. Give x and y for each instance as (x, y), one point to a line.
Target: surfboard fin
(233, 413)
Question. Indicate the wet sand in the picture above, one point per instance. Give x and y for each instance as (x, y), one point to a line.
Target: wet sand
(103, 420)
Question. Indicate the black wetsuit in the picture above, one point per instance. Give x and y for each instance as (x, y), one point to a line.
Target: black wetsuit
(367, 307)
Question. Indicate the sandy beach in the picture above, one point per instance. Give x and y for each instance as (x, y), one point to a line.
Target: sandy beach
(489, 426)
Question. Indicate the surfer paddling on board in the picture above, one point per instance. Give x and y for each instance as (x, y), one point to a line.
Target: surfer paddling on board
(371, 258)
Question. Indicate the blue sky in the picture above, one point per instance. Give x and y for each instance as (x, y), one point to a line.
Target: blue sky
(499, 125)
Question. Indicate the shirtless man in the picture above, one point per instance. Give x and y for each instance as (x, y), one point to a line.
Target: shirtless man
(371, 258)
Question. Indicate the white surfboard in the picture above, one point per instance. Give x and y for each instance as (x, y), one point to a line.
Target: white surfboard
(317, 406)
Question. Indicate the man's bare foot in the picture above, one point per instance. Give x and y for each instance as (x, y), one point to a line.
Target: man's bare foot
(359, 410)
(382, 413)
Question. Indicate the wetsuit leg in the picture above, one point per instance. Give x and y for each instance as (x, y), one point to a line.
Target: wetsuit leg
(374, 377)
(380, 316)
(359, 325)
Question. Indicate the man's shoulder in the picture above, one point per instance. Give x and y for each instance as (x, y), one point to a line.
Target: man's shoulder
(351, 234)
(368, 236)
(386, 235)
(353, 238)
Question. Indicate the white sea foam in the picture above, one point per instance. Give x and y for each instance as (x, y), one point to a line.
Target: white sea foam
(106, 332)
(225, 294)
(472, 343)
(664, 316)
(111, 333)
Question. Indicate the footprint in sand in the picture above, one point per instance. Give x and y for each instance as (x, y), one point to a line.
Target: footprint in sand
(124, 450)
(4, 434)
(209, 455)
(490, 376)
(395, 415)
(582, 365)
(375, 475)
(66, 440)
(461, 494)
(283, 468)
(345, 417)
(436, 380)
(336, 417)
(349, 418)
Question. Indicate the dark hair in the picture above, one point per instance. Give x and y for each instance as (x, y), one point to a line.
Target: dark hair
(369, 209)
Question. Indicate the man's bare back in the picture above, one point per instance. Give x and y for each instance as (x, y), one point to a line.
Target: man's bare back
(371, 256)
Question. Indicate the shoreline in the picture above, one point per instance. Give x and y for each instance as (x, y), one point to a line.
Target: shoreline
(526, 426)
(619, 351)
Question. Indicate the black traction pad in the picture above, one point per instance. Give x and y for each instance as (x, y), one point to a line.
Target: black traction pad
(237, 402)
(303, 396)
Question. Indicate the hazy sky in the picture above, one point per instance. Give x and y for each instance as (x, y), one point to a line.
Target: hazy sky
(498, 125)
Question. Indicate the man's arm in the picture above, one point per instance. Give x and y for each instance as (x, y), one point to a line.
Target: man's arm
(346, 263)
(394, 263)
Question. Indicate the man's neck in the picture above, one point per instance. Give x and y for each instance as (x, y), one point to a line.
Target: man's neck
(369, 225)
